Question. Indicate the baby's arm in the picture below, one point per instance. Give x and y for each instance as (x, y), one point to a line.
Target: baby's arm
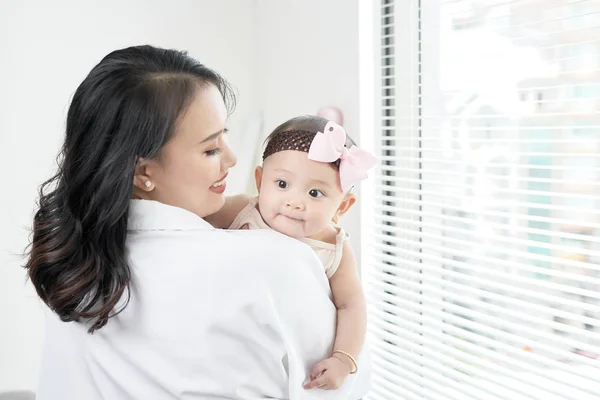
(349, 300)
(223, 218)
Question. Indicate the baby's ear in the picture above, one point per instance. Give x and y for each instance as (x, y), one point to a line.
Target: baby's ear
(258, 177)
(344, 206)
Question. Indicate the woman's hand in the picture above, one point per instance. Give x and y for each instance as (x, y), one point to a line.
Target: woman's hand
(329, 374)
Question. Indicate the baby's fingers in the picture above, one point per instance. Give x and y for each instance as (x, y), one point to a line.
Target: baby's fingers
(319, 382)
(318, 369)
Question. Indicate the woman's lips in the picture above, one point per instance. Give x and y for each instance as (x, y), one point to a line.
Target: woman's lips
(219, 186)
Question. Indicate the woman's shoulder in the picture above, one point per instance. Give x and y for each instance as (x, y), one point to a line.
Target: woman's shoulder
(227, 261)
(267, 243)
(271, 254)
(275, 260)
(260, 246)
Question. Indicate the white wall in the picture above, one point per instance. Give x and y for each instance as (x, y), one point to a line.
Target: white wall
(286, 58)
(46, 49)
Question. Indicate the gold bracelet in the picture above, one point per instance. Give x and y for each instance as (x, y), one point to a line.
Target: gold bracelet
(351, 359)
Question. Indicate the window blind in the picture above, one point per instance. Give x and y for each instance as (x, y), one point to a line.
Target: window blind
(484, 274)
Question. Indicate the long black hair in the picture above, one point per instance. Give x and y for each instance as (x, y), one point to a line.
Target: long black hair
(126, 108)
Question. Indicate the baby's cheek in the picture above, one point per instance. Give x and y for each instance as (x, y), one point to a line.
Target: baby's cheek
(264, 206)
(319, 221)
(271, 212)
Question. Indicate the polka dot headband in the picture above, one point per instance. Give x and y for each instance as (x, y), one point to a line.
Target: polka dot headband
(330, 146)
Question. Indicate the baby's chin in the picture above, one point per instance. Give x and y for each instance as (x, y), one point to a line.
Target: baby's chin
(296, 230)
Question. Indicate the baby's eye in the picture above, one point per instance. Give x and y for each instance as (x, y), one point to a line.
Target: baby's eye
(316, 193)
(282, 184)
(213, 152)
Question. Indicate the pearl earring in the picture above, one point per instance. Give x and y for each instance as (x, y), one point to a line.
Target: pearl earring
(148, 184)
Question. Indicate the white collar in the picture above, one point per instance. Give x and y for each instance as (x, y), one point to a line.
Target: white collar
(149, 215)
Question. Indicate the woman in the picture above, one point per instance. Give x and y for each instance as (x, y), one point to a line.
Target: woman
(149, 300)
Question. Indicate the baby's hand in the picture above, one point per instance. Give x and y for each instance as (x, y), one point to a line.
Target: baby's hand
(329, 374)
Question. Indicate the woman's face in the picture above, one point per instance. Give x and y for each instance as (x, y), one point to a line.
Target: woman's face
(191, 170)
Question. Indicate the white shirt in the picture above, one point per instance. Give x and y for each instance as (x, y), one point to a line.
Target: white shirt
(213, 314)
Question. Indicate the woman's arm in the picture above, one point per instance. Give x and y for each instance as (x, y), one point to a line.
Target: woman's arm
(349, 300)
(223, 218)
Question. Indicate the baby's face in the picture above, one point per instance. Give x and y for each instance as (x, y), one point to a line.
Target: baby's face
(298, 197)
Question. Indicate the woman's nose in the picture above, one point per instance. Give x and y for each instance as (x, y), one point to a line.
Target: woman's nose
(229, 159)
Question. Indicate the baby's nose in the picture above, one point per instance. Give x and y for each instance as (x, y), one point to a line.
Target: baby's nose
(295, 204)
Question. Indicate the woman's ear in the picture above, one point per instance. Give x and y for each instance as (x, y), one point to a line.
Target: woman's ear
(142, 178)
(344, 206)
(258, 177)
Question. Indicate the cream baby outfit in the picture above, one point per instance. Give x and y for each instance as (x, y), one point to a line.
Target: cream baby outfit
(329, 254)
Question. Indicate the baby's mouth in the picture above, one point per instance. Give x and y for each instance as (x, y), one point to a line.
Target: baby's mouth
(291, 218)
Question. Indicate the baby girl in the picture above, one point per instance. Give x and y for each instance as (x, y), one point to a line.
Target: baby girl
(304, 185)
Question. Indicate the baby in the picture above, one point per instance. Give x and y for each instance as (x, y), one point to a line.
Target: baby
(309, 168)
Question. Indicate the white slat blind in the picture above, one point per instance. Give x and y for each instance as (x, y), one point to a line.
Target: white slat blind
(484, 276)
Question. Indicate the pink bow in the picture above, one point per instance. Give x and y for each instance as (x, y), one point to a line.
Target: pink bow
(329, 146)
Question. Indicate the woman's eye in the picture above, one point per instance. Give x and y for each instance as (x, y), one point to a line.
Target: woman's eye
(213, 152)
(282, 184)
(315, 193)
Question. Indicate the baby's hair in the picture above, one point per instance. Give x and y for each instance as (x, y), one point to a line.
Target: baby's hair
(297, 134)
